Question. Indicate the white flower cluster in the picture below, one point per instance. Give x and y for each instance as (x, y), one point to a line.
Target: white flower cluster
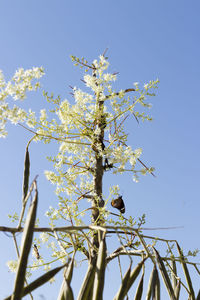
(82, 98)
(90, 128)
(44, 237)
(109, 77)
(121, 155)
(53, 178)
(17, 87)
(12, 265)
(43, 115)
(15, 114)
(2, 81)
(64, 112)
(21, 82)
(135, 156)
(79, 124)
(101, 65)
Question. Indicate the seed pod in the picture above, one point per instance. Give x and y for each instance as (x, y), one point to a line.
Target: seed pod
(36, 252)
(26, 174)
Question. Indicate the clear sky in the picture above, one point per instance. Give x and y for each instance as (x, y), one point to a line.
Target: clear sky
(146, 40)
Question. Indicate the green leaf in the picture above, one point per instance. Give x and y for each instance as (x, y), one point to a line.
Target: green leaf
(186, 272)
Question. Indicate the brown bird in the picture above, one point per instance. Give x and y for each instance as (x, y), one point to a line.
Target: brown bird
(119, 204)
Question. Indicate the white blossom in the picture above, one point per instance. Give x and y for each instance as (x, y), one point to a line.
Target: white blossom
(109, 77)
(31, 119)
(103, 62)
(138, 152)
(44, 237)
(52, 177)
(12, 265)
(97, 131)
(2, 81)
(43, 115)
(64, 111)
(17, 87)
(121, 94)
(75, 128)
(133, 161)
(91, 82)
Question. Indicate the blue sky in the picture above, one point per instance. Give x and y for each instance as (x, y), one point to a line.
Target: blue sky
(146, 40)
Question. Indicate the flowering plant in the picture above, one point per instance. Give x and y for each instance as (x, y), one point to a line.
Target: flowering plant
(92, 140)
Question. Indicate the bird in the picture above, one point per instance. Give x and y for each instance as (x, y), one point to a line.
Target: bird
(119, 204)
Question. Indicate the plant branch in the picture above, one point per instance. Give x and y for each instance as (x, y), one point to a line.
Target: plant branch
(117, 94)
(129, 230)
(53, 138)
